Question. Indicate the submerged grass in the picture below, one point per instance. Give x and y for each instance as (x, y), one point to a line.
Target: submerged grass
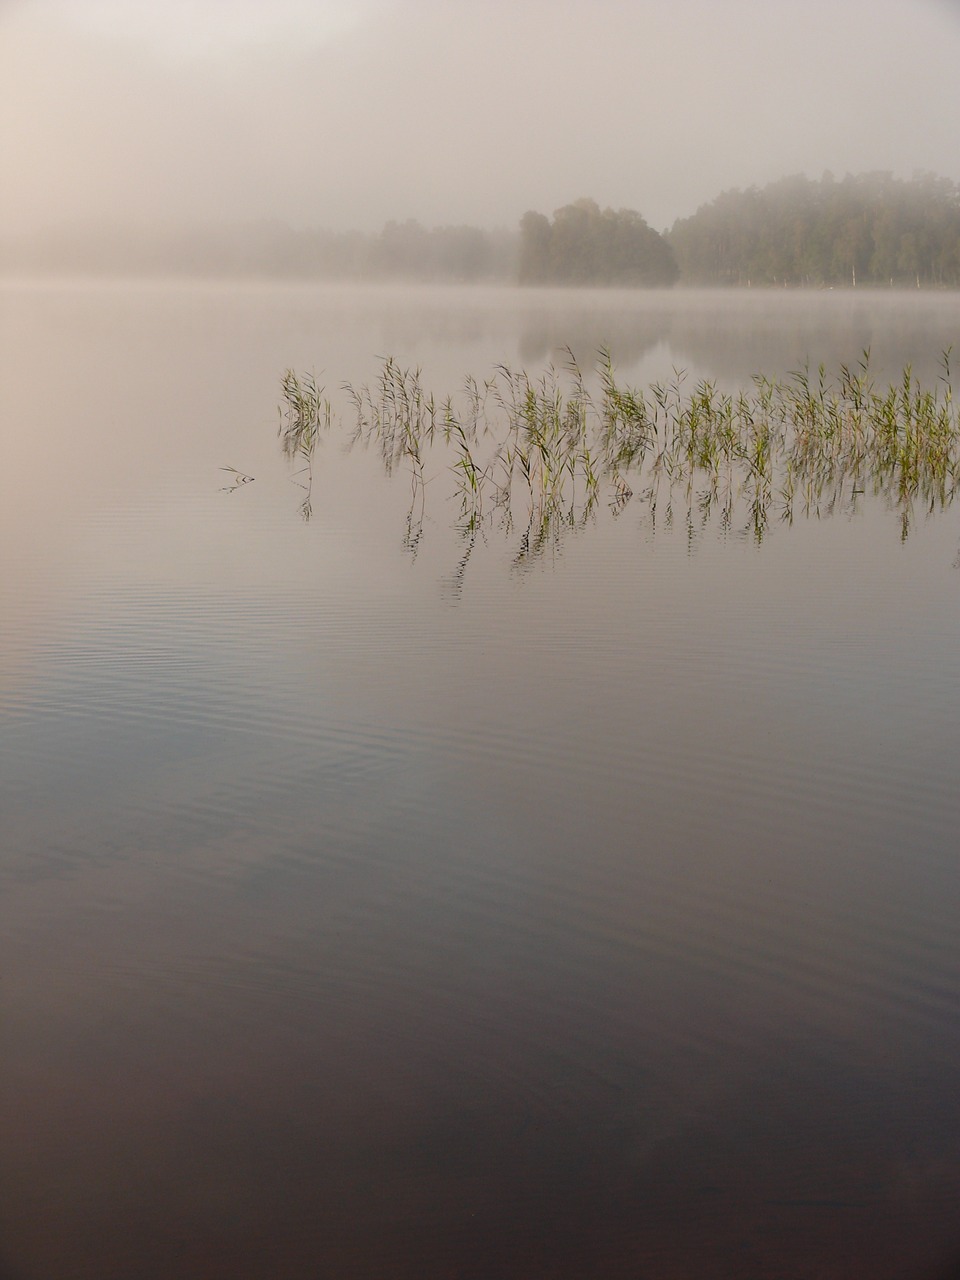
(542, 452)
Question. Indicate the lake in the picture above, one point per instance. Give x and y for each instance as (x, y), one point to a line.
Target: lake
(385, 899)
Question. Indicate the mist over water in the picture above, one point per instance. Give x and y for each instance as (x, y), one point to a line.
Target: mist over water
(345, 116)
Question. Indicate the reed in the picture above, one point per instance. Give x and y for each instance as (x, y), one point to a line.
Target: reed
(542, 452)
(305, 417)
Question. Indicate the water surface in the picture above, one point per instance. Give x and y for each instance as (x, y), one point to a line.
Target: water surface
(369, 913)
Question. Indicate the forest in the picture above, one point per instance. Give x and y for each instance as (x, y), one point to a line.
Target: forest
(867, 229)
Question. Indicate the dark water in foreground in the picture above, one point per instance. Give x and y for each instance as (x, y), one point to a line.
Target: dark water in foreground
(370, 914)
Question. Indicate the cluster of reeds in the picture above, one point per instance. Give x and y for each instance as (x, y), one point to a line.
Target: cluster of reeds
(305, 416)
(543, 451)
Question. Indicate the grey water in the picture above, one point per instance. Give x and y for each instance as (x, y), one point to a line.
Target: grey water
(390, 906)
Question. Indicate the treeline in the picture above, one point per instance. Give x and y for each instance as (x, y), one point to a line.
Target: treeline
(270, 248)
(866, 229)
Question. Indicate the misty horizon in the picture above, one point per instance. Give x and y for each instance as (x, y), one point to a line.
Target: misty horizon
(344, 116)
(103, 222)
(871, 228)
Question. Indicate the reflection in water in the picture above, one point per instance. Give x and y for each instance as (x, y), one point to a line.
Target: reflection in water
(453, 584)
(732, 336)
(538, 455)
(238, 481)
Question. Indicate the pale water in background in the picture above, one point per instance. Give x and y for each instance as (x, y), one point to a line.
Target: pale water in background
(385, 910)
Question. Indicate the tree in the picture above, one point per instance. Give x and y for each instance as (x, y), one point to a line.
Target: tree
(534, 248)
(585, 245)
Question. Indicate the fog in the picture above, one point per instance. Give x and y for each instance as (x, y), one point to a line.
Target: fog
(346, 113)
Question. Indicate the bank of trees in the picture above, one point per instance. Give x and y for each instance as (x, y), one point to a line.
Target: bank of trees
(869, 229)
(865, 229)
(587, 245)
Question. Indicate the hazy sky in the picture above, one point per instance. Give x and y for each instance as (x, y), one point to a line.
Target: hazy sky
(343, 113)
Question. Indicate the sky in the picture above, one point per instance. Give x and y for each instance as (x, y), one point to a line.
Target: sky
(346, 113)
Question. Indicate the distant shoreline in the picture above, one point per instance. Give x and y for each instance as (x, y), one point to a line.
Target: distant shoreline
(67, 275)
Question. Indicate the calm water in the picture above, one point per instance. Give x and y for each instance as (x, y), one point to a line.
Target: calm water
(371, 911)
